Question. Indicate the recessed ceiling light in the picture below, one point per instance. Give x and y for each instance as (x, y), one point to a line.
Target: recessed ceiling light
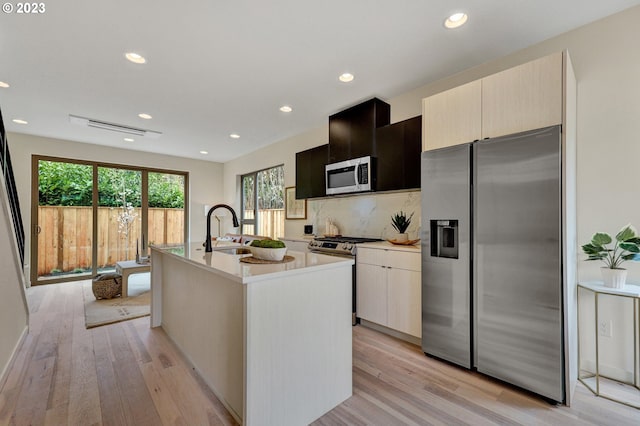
(286, 108)
(346, 77)
(19, 121)
(204, 152)
(234, 135)
(4, 85)
(129, 139)
(135, 58)
(145, 116)
(456, 20)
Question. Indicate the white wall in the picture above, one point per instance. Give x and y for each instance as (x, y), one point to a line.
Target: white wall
(205, 178)
(283, 152)
(13, 306)
(607, 67)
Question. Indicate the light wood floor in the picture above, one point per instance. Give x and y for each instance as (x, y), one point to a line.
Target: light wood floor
(128, 374)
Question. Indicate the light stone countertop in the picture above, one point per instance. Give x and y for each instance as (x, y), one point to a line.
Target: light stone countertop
(629, 290)
(386, 245)
(300, 239)
(229, 265)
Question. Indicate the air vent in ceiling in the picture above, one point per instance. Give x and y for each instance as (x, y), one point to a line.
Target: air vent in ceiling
(104, 125)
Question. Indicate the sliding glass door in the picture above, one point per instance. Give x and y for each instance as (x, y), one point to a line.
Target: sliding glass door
(89, 216)
(165, 207)
(64, 212)
(119, 215)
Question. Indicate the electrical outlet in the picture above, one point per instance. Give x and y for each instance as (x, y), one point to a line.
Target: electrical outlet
(605, 328)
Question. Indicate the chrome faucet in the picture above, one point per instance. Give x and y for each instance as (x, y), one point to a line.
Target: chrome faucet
(207, 243)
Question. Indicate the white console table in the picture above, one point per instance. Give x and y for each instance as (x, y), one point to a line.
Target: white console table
(592, 379)
(129, 267)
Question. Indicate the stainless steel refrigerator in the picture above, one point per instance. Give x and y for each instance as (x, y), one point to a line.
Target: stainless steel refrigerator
(492, 258)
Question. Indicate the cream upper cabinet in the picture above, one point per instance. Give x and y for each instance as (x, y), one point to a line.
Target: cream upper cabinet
(525, 97)
(452, 117)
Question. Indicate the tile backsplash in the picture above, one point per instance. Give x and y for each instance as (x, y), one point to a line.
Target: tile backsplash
(365, 215)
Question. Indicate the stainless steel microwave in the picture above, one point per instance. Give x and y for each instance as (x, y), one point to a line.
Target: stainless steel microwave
(356, 175)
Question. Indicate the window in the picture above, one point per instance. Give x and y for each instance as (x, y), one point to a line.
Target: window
(262, 210)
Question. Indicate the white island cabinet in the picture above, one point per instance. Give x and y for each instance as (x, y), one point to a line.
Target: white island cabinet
(272, 341)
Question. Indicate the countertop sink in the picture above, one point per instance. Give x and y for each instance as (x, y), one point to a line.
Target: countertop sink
(234, 250)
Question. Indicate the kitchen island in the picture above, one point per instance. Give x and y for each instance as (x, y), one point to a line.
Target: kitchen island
(273, 341)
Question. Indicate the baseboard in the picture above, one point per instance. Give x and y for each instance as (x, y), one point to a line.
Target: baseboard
(608, 371)
(14, 354)
(391, 332)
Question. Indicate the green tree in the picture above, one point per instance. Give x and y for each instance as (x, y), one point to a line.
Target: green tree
(69, 184)
(270, 187)
(166, 190)
(64, 184)
(114, 184)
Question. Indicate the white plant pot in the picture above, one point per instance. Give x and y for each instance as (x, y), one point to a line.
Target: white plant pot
(614, 278)
(275, 254)
(401, 238)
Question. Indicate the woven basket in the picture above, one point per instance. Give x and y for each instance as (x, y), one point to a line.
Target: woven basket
(107, 286)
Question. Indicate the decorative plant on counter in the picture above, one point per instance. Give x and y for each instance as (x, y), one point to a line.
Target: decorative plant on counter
(267, 244)
(626, 247)
(401, 222)
(271, 250)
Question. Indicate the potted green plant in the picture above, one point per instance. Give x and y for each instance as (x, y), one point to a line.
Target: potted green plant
(400, 223)
(626, 247)
(274, 250)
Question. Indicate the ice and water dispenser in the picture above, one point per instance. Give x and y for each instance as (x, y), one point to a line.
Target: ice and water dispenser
(444, 238)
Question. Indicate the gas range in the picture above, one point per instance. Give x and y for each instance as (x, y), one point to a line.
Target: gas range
(339, 245)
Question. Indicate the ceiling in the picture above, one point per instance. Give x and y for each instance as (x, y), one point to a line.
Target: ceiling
(216, 67)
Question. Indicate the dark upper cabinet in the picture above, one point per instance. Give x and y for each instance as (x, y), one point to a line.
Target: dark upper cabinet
(339, 137)
(352, 132)
(310, 179)
(360, 131)
(398, 148)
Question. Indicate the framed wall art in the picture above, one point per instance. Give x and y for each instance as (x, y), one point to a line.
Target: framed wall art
(294, 209)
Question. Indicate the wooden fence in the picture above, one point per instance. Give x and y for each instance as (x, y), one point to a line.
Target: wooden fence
(270, 222)
(64, 242)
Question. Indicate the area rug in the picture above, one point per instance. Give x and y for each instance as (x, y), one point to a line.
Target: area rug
(109, 311)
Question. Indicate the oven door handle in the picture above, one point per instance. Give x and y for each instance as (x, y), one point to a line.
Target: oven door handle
(327, 253)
